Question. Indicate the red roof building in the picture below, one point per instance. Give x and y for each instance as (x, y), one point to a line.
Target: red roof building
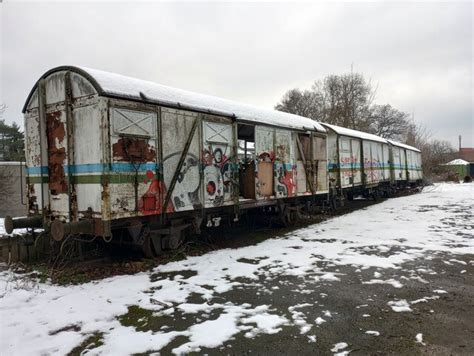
(466, 153)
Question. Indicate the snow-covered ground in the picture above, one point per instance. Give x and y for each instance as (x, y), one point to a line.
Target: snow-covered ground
(48, 319)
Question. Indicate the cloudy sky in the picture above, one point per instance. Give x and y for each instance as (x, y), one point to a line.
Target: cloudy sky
(419, 54)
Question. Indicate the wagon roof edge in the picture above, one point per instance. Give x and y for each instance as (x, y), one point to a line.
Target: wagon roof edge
(354, 133)
(403, 145)
(119, 86)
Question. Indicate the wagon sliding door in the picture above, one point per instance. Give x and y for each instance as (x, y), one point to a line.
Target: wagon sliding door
(265, 156)
(285, 172)
(399, 168)
(319, 162)
(385, 166)
(350, 164)
(218, 161)
(304, 179)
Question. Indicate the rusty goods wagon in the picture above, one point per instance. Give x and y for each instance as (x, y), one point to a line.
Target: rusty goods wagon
(362, 163)
(125, 159)
(406, 163)
(358, 161)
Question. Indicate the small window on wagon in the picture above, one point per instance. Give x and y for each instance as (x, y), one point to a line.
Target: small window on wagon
(133, 123)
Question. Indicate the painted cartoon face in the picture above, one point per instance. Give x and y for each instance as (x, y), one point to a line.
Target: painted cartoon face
(218, 155)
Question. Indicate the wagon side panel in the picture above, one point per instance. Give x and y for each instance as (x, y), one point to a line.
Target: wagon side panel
(36, 163)
(284, 165)
(187, 193)
(87, 170)
(333, 160)
(367, 163)
(345, 162)
(132, 174)
(218, 162)
(385, 163)
(320, 163)
(355, 161)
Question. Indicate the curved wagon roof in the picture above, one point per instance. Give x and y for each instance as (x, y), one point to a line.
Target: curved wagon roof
(402, 145)
(354, 133)
(119, 86)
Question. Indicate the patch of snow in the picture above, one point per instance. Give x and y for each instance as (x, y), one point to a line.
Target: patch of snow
(419, 279)
(400, 306)
(195, 308)
(457, 261)
(391, 281)
(355, 133)
(312, 338)
(339, 346)
(372, 332)
(419, 339)
(327, 313)
(440, 291)
(329, 276)
(319, 320)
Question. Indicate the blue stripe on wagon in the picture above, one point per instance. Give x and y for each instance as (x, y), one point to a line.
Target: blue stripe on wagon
(96, 168)
(37, 170)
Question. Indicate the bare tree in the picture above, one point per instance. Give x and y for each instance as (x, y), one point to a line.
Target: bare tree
(388, 122)
(348, 98)
(343, 100)
(307, 103)
(417, 135)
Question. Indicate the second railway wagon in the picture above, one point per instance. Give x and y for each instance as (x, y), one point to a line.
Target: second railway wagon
(405, 163)
(358, 162)
(108, 155)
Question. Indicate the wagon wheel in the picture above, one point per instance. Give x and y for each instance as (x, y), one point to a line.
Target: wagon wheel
(287, 217)
(41, 244)
(147, 247)
(68, 246)
(151, 246)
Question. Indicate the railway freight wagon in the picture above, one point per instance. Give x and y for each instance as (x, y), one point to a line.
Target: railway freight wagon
(406, 163)
(124, 159)
(358, 162)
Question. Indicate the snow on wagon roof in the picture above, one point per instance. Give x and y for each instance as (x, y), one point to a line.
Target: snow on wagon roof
(402, 145)
(354, 133)
(119, 86)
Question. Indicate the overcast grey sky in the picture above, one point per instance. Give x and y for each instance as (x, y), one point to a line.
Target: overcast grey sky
(419, 54)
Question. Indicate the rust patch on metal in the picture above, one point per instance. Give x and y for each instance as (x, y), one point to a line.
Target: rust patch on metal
(133, 150)
(56, 155)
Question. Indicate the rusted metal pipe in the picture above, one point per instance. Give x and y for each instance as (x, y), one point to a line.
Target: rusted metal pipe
(22, 223)
(59, 230)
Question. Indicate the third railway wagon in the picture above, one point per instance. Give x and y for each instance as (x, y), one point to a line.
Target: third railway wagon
(130, 160)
